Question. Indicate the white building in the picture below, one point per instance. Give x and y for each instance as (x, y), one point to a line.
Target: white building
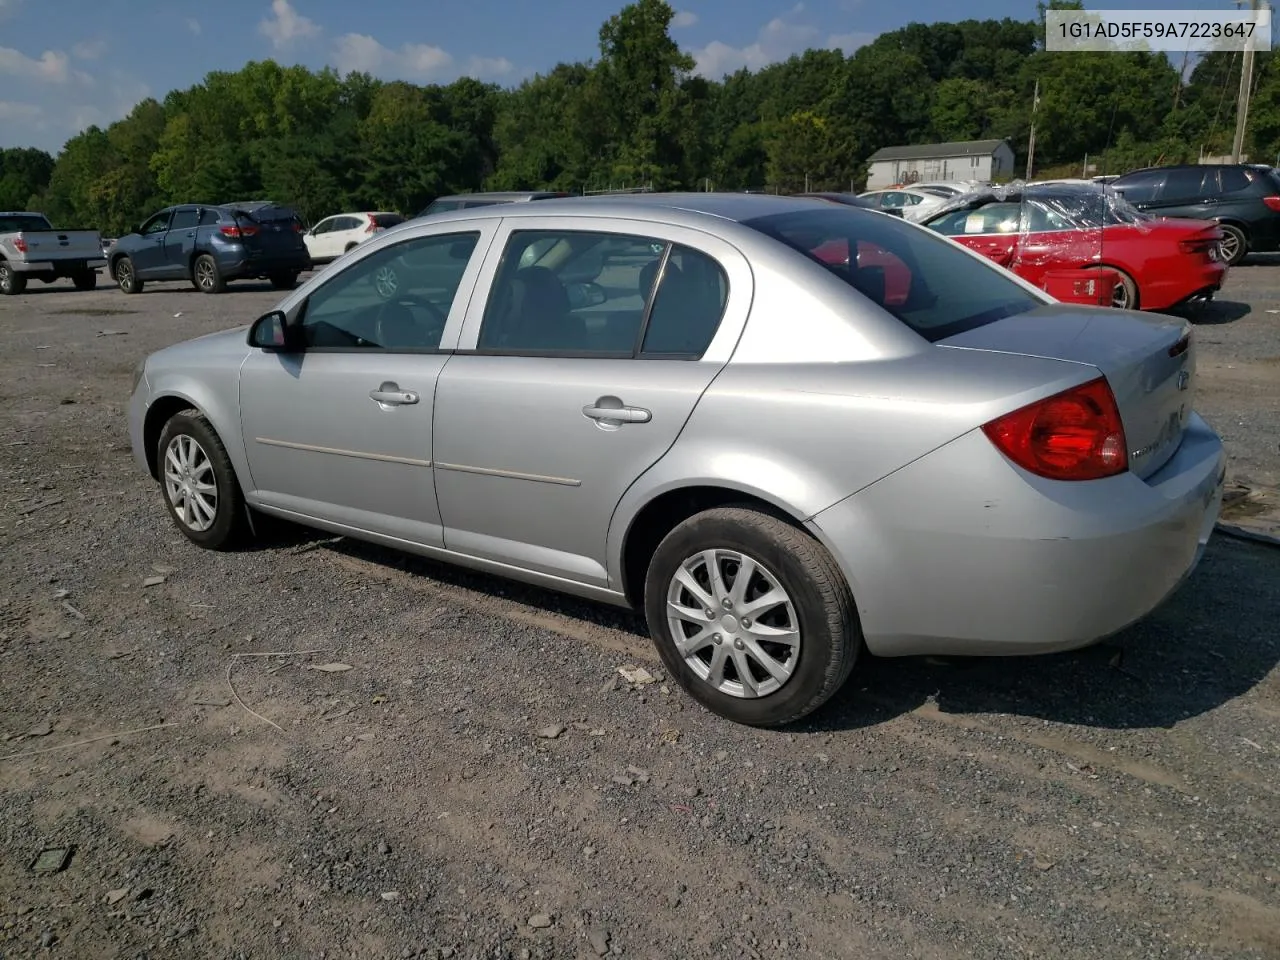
(966, 160)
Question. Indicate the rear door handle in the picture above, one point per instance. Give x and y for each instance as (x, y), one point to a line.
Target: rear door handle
(390, 395)
(602, 410)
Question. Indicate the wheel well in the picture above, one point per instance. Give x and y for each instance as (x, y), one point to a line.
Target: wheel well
(158, 414)
(662, 515)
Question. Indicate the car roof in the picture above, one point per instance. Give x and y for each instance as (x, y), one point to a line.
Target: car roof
(725, 206)
(512, 195)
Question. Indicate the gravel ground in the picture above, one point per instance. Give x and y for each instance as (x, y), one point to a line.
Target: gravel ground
(482, 783)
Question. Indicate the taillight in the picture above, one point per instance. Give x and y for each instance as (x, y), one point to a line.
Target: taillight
(1273, 203)
(236, 231)
(1073, 435)
(372, 227)
(1202, 245)
(20, 244)
(298, 227)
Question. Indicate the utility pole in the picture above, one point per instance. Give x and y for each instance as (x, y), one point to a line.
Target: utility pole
(1031, 141)
(1242, 100)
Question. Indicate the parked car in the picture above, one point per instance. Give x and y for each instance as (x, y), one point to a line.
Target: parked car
(31, 249)
(466, 201)
(779, 467)
(915, 204)
(850, 200)
(1244, 198)
(1041, 228)
(211, 245)
(334, 236)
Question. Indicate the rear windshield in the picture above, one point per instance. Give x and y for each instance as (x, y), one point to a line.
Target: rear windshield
(387, 220)
(266, 212)
(929, 283)
(17, 222)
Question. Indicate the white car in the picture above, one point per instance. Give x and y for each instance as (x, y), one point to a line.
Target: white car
(334, 236)
(915, 204)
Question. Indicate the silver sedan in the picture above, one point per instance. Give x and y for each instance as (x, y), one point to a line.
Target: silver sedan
(791, 432)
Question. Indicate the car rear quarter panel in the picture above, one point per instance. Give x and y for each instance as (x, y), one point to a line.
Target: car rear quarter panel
(804, 436)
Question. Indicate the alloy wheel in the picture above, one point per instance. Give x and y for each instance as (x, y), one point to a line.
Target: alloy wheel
(386, 282)
(190, 483)
(734, 623)
(204, 274)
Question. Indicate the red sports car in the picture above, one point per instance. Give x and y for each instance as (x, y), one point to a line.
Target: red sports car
(1160, 263)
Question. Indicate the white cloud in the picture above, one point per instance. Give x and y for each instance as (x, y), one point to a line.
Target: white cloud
(285, 25)
(684, 18)
(193, 25)
(780, 38)
(89, 49)
(412, 61)
(53, 65)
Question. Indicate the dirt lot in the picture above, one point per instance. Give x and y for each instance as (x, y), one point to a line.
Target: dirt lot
(1118, 802)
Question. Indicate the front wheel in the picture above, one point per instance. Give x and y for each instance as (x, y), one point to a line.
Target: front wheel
(12, 282)
(127, 277)
(206, 275)
(751, 616)
(199, 483)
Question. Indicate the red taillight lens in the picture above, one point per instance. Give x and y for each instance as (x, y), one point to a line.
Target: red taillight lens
(20, 244)
(1202, 245)
(1273, 203)
(372, 227)
(237, 231)
(1073, 435)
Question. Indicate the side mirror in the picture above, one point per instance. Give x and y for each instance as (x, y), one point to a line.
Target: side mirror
(271, 332)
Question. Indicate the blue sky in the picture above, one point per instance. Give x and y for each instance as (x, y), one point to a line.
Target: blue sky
(97, 58)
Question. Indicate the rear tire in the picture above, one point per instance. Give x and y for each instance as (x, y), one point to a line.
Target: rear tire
(283, 281)
(813, 611)
(1125, 295)
(1235, 245)
(125, 276)
(85, 279)
(198, 483)
(12, 282)
(207, 276)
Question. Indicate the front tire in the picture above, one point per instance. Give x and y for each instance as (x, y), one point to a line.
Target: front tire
(199, 483)
(751, 616)
(207, 276)
(126, 276)
(12, 282)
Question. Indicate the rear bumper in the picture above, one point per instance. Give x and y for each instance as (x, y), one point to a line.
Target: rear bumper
(58, 268)
(240, 268)
(1177, 286)
(962, 553)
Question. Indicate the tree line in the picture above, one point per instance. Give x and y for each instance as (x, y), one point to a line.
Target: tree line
(637, 115)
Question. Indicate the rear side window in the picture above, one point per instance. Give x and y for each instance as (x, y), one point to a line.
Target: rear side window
(1234, 179)
(924, 280)
(1183, 184)
(687, 306)
(185, 219)
(16, 223)
(208, 216)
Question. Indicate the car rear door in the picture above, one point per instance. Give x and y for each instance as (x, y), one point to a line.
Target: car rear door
(340, 430)
(274, 233)
(562, 394)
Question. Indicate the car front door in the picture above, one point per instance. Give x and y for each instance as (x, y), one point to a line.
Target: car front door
(180, 241)
(316, 239)
(564, 390)
(339, 428)
(148, 251)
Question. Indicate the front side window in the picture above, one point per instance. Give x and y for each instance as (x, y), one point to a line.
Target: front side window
(157, 224)
(922, 279)
(324, 226)
(1140, 188)
(991, 218)
(602, 295)
(396, 299)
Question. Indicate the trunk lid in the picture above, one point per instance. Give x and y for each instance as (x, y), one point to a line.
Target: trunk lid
(271, 229)
(1149, 361)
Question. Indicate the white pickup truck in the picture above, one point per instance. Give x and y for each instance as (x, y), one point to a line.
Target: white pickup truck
(30, 249)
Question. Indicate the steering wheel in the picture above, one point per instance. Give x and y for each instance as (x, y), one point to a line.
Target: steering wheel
(398, 324)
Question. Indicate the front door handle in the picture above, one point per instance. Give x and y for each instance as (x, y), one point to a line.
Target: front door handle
(611, 410)
(390, 395)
